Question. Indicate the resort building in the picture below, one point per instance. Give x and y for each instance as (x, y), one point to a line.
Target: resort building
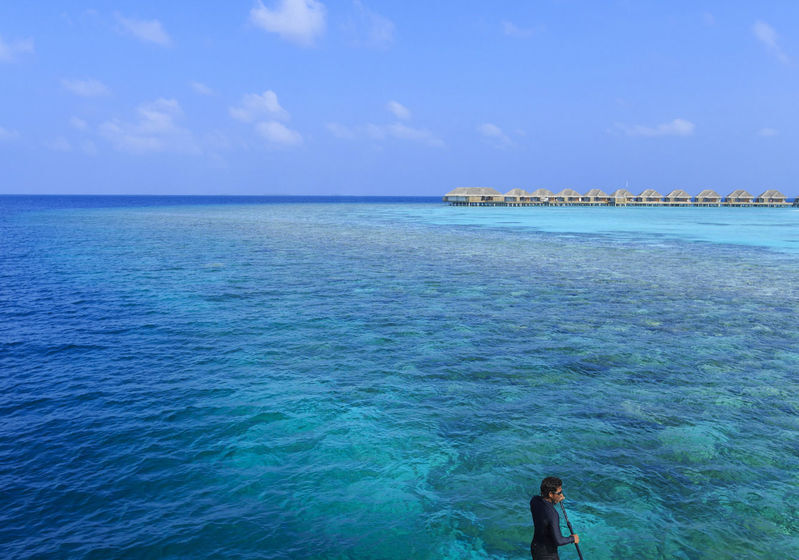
(771, 198)
(517, 197)
(595, 196)
(738, 198)
(567, 196)
(484, 196)
(678, 197)
(650, 197)
(541, 196)
(621, 197)
(474, 196)
(708, 198)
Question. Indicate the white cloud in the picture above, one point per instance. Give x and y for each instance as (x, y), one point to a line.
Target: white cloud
(78, 123)
(88, 148)
(495, 133)
(86, 88)
(59, 144)
(8, 134)
(369, 28)
(511, 30)
(677, 127)
(398, 131)
(10, 51)
(278, 133)
(769, 37)
(341, 131)
(400, 111)
(149, 31)
(254, 107)
(201, 88)
(155, 130)
(298, 21)
(768, 132)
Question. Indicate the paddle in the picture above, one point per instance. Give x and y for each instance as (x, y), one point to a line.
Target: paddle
(569, 525)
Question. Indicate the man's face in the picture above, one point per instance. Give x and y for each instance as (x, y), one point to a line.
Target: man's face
(556, 496)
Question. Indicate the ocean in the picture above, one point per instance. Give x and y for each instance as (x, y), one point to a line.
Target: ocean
(369, 378)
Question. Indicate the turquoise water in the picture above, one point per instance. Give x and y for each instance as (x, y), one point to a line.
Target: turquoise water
(272, 379)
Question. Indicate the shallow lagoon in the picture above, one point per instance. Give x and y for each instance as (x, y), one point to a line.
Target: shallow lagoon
(375, 380)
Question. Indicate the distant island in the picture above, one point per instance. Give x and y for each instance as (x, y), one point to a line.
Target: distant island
(483, 196)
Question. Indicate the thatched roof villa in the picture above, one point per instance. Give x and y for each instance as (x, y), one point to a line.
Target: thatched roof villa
(541, 196)
(567, 196)
(678, 197)
(517, 196)
(771, 198)
(738, 198)
(481, 196)
(621, 197)
(595, 196)
(649, 197)
(708, 197)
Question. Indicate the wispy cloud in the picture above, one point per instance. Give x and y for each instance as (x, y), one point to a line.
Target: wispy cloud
(278, 134)
(154, 130)
(768, 132)
(254, 107)
(400, 111)
(10, 51)
(59, 144)
(495, 134)
(85, 88)
(370, 29)
(265, 111)
(148, 31)
(769, 37)
(399, 131)
(677, 127)
(201, 88)
(78, 123)
(512, 30)
(8, 134)
(298, 21)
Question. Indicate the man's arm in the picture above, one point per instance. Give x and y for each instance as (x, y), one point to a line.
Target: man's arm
(557, 536)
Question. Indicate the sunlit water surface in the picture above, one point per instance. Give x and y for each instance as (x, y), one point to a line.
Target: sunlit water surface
(279, 379)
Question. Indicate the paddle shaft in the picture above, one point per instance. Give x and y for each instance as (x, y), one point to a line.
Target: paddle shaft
(569, 525)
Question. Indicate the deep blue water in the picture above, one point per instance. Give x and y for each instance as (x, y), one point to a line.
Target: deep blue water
(367, 378)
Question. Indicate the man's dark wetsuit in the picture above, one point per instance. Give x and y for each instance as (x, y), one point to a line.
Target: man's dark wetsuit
(547, 537)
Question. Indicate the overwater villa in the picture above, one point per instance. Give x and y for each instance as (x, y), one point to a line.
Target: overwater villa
(621, 197)
(541, 196)
(678, 197)
(486, 196)
(738, 198)
(474, 196)
(517, 197)
(649, 197)
(567, 196)
(771, 198)
(595, 196)
(708, 197)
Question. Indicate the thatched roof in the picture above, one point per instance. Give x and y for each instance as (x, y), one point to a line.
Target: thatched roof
(708, 193)
(542, 193)
(678, 193)
(568, 193)
(517, 192)
(771, 193)
(650, 193)
(740, 193)
(622, 193)
(473, 191)
(596, 192)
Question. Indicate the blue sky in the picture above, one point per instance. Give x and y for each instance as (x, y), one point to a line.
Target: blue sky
(397, 97)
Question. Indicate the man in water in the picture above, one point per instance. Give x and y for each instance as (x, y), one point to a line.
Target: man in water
(547, 537)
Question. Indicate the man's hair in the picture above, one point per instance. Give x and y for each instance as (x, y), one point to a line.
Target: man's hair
(550, 484)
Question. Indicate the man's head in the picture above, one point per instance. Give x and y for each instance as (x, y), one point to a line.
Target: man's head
(552, 489)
